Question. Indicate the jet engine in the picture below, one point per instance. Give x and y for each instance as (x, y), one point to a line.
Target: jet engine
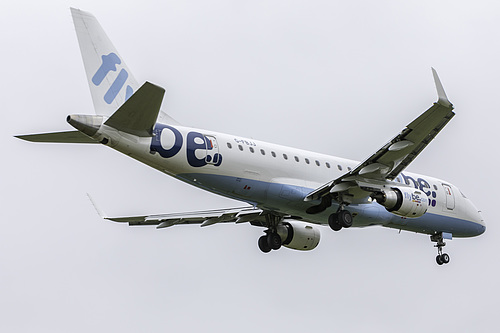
(403, 201)
(299, 236)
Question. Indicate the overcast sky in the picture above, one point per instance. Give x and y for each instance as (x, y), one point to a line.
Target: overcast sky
(337, 77)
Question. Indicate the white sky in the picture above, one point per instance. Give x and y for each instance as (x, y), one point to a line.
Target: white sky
(336, 77)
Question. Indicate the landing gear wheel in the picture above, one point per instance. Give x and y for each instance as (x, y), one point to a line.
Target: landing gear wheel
(442, 258)
(274, 240)
(344, 218)
(333, 222)
(445, 258)
(264, 245)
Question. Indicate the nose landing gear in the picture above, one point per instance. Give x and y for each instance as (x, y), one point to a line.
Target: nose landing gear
(441, 258)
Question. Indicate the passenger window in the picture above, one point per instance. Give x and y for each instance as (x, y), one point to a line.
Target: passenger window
(285, 156)
(273, 153)
(296, 159)
(349, 168)
(251, 150)
(240, 147)
(229, 145)
(327, 165)
(307, 161)
(317, 163)
(340, 167)
(262, 152)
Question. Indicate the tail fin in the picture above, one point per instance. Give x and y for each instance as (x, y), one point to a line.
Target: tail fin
(111, 82)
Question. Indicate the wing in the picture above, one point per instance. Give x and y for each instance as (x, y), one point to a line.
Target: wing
(204, 218)
(397, 154)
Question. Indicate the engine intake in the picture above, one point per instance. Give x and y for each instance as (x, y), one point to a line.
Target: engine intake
(299, 236)
(403, 201)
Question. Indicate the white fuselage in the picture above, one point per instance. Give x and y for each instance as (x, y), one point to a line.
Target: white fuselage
(277, 178)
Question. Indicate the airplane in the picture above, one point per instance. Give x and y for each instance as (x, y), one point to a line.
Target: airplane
(289, 192)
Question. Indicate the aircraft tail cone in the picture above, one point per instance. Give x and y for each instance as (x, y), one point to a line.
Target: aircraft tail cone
(86, 124)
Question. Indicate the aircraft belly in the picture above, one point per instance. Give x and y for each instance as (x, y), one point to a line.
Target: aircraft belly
(285, 198)
(434, 223)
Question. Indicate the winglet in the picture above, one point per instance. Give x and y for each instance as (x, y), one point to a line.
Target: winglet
(99, 211)
(443, 99)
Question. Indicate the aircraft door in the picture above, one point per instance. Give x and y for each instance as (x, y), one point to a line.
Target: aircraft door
(212, 151)
(450, 198)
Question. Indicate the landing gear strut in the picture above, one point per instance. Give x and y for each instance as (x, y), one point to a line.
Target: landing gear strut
(442, 258)
(341, 219)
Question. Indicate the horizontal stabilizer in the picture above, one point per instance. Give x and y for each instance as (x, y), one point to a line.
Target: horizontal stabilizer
(58, 137)
(138, 114)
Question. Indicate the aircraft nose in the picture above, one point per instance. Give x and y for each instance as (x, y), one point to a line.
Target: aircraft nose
(474, 214)
(481, 225)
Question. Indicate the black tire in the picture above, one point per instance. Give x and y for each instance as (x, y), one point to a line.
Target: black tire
(274, 240)
(439, 260)
(344, 218)
(445, 258)
(264, 245)
(333, 222)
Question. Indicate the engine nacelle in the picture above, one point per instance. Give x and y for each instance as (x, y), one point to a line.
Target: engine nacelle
(403, 201)
(299, 236)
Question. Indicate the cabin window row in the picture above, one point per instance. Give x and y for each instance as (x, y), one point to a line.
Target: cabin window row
(285, 157)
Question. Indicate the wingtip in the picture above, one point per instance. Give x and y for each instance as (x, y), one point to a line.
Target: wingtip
(74, 11)
(98, 210)
(442, 98)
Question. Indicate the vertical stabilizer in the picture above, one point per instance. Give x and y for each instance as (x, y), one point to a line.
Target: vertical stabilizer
(111, 82)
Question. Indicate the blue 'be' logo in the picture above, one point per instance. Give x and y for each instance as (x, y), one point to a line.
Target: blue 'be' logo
(109, 63)
(195, 142)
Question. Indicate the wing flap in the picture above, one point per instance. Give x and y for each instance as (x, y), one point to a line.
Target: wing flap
(388, 162)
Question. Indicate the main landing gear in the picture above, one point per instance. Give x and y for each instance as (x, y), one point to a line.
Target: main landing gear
(270, 241)
(341, 219)
(442, 258)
